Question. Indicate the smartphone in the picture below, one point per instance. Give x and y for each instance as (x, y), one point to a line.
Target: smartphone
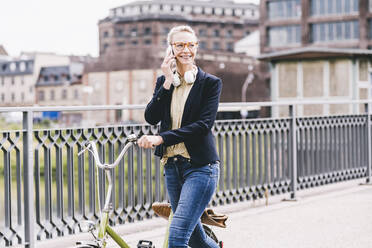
(170, 50)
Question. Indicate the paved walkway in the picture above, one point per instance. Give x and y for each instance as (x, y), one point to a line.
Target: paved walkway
(336, 216)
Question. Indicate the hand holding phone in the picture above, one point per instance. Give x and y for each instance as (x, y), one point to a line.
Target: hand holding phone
(166, 67)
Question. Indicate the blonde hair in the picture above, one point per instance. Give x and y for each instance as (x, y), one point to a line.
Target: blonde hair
(178, 29)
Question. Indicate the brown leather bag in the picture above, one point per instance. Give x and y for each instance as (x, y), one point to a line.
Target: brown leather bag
(209, 217)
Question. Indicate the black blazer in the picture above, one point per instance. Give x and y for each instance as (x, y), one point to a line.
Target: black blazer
(197, 120)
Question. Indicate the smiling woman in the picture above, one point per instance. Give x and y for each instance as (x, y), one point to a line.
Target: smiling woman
(185, 102)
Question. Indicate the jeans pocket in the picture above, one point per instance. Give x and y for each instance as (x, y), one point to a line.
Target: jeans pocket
(215, 169)
(168, 165)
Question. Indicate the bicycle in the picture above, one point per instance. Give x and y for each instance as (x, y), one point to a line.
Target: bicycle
(104, 230)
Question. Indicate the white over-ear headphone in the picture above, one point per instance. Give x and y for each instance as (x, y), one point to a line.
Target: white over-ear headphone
(189, 76)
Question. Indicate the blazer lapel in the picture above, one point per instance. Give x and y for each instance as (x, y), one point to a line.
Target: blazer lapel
(168, 107)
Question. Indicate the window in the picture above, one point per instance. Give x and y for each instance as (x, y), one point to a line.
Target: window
(356, 5)
(216, 45)
(64, 94)
(13, 97)
(105, 46)
(284, 35)
(165, 42)
(12, 80)
(202, 32)
(22, 96)
(134, 42)
(147, 42)
(347, 31)
(120, 43)
(335, 31)
(230, 46)
(2, 81)
(2, 97)
(41, 95)
(216, 33)
(229, 33)
(202, 45)
(322, 31)
(119, 32)
(330, 5)
(56, 78)
(52, 95)
(147, 31)
(105, 34)
(22, 81)
(165, 30)
(76, 94)
(284, 9)
(133, 32)
(333, 7)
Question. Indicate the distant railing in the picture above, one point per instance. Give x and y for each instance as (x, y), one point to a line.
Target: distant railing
(47, 189)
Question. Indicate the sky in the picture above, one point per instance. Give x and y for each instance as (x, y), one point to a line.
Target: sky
(61, 26)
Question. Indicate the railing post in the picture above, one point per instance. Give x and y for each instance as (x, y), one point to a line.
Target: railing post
(367, 107)
(28, 177)
(293, 143)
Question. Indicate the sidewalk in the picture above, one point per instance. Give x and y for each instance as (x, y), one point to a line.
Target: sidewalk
(338, 216)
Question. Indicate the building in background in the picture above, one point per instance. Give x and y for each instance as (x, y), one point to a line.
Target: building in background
(249, 45)
(60, 86)
(122, 87)
(290, 24)
(318, 50)
(135, 34)
(133, 40)
(18, 77)
(320, 74)
(3, 53)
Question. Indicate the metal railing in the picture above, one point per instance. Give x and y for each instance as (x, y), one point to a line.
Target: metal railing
(48, 189)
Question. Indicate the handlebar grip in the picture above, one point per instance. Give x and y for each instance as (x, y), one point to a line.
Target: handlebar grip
(132, 138)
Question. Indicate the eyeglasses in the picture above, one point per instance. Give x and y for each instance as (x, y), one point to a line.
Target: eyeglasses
(179, 46)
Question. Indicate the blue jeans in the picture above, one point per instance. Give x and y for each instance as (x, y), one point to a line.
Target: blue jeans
(190, 189)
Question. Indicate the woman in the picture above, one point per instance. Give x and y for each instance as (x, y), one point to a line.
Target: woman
(185, 102)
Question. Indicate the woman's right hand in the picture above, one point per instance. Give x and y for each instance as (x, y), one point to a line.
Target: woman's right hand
(166, 69)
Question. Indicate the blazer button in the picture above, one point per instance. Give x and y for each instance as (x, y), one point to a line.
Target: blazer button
(158, 98)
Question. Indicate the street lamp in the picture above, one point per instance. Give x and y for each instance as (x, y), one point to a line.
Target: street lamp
(248, 81)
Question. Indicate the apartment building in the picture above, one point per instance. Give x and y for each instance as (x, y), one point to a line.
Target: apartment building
(134, 35)
(122, 87)
(3, 53)
(18, 77)
(287, 24)
(61, 86)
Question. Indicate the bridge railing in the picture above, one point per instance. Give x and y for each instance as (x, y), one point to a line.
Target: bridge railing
(47, 189)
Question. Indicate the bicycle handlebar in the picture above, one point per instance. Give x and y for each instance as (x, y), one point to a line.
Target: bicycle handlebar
(92, 147)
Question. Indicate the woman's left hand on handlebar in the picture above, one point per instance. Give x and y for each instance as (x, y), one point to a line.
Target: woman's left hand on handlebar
(149, 141)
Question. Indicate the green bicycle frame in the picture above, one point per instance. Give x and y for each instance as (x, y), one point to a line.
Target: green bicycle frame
(166, 237)
(105, 228)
